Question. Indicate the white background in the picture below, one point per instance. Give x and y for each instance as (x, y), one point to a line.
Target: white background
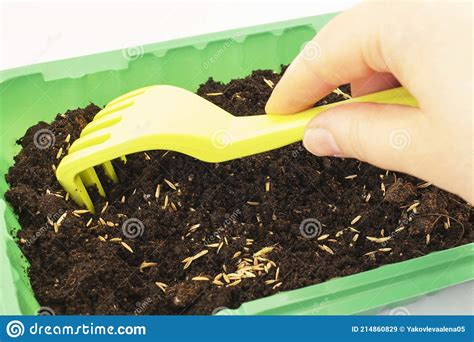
(34, 32)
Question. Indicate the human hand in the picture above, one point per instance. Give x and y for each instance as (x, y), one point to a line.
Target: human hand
(427, 48)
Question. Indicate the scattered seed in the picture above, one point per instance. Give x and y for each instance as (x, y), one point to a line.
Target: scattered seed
(67, 196)
(61, 219)
(165, 204)
(350, 177)
(267, 186)
(161, 286)
(110, 224)
(385, 250)
(399, 229)
(213, 245)
(378, 240)
(428, 238)
(252, 203)
(157, 191)
(370, 253)
(226, 278)
(277, 285)
(341, 93)
(271, 281)
(126, 246)
(352, 229)
(339, 233)
(194, 227)
(147, 157)
(326, 249)
(263, 251)
(219, 248)
(218, 283)
(101, 238)
(237, 282)
(116, 240)
(89, 222)
(277, 273)
(80, 211)
(214, 94)
(147, 264)
(102, 221)
(68, 138)
(269, 83)
(60, 152)
(199, 278)
(323, 237)
(382, 187)
(413, 207)
(355, 237)
(237, 254)
(122, 200)
(173, 206)
(106, 205)
(170, 184)
(356, 219)
(423, 185)
(367, 198)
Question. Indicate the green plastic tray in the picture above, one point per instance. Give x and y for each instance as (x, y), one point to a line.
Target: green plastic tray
(38, 92)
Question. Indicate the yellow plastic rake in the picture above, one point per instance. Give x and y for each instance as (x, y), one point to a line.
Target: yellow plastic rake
(165, 117)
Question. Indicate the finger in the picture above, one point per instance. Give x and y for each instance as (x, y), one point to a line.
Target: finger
(378, 81)
(388, 136)
(338, 54)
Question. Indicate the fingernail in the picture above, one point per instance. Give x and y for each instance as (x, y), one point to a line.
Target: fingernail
(321, 142)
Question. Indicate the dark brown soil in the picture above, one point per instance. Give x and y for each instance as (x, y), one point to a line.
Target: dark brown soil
(264, 198)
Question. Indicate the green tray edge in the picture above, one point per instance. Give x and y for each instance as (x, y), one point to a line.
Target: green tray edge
(301, 301)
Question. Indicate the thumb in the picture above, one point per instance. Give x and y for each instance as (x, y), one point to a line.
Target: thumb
(388, 136)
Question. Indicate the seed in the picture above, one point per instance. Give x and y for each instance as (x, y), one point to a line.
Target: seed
(252, 203)
(350, 177)
(326, 249)
(170, 184)
(423, 185)
(225, 239)
(277, 285)
(447, 224)
(378, 240)
(271, 281)
(116, 240)
(101, 238)
(50, 221)
(213, 245)
(194, 227)
(237, 282)
(127, 247)
(413, 207)
(382, 187)
(226, 278)
(189, 260)
(199, 278)
(399, 229)
(147, 157)
(89, 222)
(61, 219)
(341, 93)
(323, 237)
(161, 286)
(214, 94)
(122, 200)
(370, 253)
(269, 82)
(102, 221)
(237, 254)
(368, 197)
(173, 206)
(219, 276)
(356, 219)
(267, 186)
(219, 248)
(218, 283)
(68, 138)
(157, 191)
(355, 237)
(110, 224)
(384, 250)
(60, 152)
(165, 204)
(428, 238)
(263, 251)
(339, 233)
(67, 196)
(147, 264)
(277, 273)
(106, 205)
(80, 211)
